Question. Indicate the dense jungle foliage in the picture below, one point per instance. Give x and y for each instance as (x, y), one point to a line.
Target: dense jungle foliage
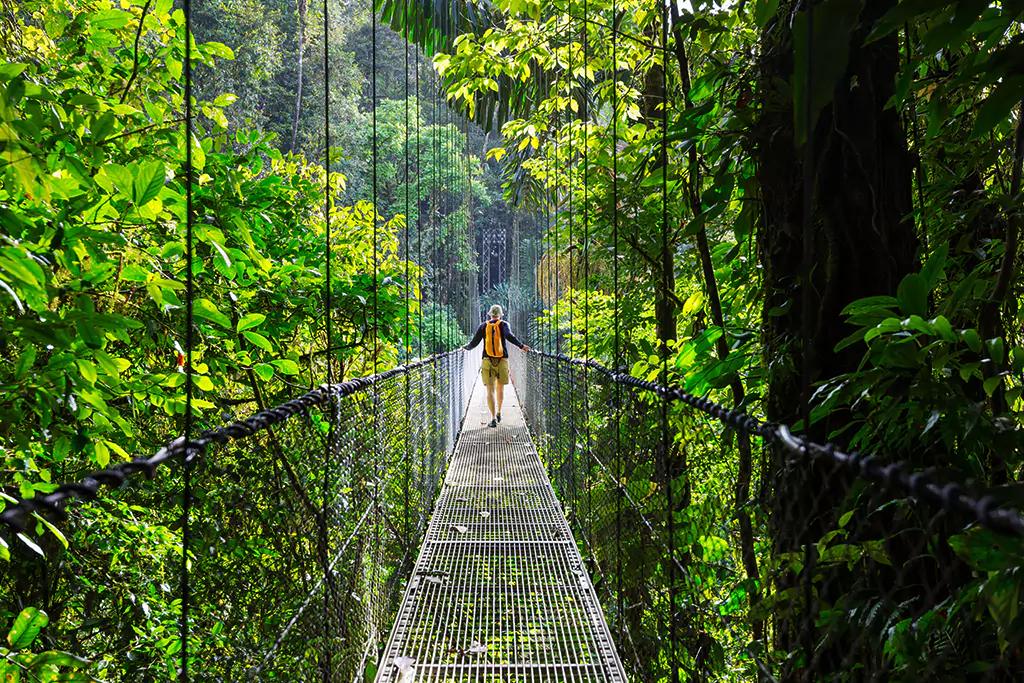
(656, 156)
(666, 147)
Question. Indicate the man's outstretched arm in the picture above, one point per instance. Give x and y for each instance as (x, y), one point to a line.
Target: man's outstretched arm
(512, 338)
(477, 338)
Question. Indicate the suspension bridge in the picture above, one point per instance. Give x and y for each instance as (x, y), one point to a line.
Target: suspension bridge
(373, 528)
(435, 548)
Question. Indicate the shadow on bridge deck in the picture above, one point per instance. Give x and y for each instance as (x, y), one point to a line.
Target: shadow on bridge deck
(499, 592)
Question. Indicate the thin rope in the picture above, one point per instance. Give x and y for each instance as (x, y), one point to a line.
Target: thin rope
(328, 310)
(419, 202)
(665, 445)
(186, 494)
(805, 326)
(615, 316)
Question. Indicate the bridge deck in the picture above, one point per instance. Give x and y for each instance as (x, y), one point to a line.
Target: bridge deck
(499, 592)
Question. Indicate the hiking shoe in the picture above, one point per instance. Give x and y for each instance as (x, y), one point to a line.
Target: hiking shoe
(492, 423)
(498, 417)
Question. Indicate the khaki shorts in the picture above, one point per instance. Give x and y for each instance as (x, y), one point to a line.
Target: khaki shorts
(491, 371)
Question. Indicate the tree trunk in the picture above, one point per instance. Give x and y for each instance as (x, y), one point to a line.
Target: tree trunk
(741, 489)
(864, 244)
(301, 59)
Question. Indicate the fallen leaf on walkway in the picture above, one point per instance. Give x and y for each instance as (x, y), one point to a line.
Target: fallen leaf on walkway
(404, 663)
(460, 500)
(433, 579)
(476, 648)
(485, 514)
(461, 529)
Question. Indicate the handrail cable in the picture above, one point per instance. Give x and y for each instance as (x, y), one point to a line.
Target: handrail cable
(982, 509)
(87, 488)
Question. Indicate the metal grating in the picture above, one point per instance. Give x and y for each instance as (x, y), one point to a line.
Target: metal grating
(499, 592)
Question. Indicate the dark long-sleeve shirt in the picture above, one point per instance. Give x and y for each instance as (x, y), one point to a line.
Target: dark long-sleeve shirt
(506, 337)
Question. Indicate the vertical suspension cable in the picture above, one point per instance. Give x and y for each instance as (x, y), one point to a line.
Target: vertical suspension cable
(375, 337)
(186, 492)
(616, 343)
(806, 322)
(328, 310)
(667, 263)
(407, 340)
(586, 260)
(419, 202)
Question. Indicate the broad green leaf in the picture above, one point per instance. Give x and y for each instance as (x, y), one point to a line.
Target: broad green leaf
(148, 182)
(109, 19)
(971, 338)
(264, 371)
(259, 341)
(26, 627)
(764, 10)
(912, 295)
(25, 361)
(250, 320)
(11, 70)
(987, 551)
(101, 453)
(204, 308)
(288, 367)
(932, 270)
(88, 370)
(57, 658)
(996, 107)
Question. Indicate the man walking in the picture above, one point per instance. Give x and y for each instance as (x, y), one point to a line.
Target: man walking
(494, 370)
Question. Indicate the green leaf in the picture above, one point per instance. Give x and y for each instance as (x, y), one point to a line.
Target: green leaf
(57, 658)
(932, 270)
(971, 338)
(763, 11)
(101, 453)
(25, 362)
(31, 545)
(264, 371)
(288, 367)
(991, 384)
(986, 551)
(250, 320)
(996, 350)
(996, 107)
(198, 155)
(834, 22)
(148, 183)
(204, 308)
(871, 303)
(26, 627)
(109, 19)
(11, 70)
(53, 530)
(912, 295)
(259, 341)
(88, 370)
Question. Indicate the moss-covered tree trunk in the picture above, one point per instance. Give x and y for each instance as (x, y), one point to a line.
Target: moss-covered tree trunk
(864, 243)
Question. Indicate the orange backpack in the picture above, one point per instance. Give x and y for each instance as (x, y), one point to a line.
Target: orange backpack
(493, 345)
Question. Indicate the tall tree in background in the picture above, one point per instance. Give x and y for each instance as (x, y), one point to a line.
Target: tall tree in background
(298, 66)
(862, 233)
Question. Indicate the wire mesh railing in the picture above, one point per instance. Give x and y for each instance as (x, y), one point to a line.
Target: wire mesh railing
(811, 565)
(304, 526)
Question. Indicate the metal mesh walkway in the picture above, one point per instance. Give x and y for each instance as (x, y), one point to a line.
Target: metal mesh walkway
(499, 592)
